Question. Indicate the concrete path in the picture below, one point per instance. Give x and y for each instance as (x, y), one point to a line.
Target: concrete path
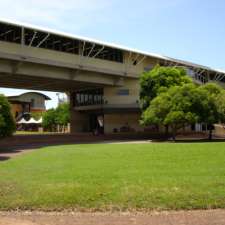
(200, 217)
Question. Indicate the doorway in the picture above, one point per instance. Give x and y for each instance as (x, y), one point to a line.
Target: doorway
(96, 123)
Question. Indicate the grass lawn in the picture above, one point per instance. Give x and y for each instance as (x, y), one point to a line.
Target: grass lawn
(116, 177)
(34, 132)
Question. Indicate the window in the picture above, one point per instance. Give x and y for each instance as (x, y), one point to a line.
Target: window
(88, 97)
(41, 39)
(123, 92)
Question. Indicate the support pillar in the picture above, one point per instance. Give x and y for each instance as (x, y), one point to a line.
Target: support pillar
(79, 121)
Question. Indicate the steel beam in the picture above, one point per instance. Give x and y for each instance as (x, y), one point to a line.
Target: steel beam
(43, 40)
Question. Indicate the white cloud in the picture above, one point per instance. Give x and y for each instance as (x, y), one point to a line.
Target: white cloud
(68, 15)
(54, 13)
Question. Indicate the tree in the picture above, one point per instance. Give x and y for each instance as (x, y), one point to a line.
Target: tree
(49, 120)
(213, 108)
(220, 102)
(172, 108)
(185, 105)
(63, 115)
(59, 116)
(37, 115)
(7, 122)
(160, 79)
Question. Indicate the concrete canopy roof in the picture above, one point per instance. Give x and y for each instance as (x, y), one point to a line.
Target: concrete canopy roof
(111, 45)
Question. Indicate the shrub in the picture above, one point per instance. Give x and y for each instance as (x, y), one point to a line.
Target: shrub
(7, 122)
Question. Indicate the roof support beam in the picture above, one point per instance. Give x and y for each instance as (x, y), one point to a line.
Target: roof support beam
(136, 57)
(89, 53)
(43, 40)
(219, 77)
(100, 50)
(34, 36)
(140, 61)
(201, 72)
(22, 36)
(129, 57)
(82, 53)
(7, 32)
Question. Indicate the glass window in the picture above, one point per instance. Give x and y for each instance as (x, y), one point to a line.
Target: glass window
(123, 92)
(88, 97)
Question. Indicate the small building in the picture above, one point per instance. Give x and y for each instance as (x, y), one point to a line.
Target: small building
(27, 103)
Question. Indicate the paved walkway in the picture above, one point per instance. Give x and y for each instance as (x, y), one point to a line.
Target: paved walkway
(200, 217)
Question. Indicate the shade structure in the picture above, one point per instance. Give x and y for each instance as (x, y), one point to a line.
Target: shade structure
(22, 121)
(40, 120)
(30, 121)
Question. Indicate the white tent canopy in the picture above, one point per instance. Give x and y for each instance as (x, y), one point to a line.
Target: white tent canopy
(22, 121)
(30, 121)
(40, 120)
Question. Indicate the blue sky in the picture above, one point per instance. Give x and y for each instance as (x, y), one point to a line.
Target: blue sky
(192, 30)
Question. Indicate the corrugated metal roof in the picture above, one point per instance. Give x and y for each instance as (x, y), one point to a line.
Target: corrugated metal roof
(111, 45)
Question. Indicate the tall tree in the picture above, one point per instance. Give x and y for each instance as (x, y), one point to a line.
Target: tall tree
(63, 114)
(187, 104)
(49, 120)
(7, 122)
(212, 105)
(172, 108)
(160, 79)
(59, 116)
(221, 106)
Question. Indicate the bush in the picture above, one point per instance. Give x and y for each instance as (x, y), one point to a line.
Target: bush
(49, 120)
(7, 122)
(37, 115)
(56, 117)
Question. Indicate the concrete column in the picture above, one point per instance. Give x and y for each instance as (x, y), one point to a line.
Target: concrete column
(79, 121)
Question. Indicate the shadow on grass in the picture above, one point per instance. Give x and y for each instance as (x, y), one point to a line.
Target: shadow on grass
(18, 145)
(4, 158)
(8, 152)
(199, 141)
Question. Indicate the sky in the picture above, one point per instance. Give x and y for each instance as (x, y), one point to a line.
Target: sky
(192, 30)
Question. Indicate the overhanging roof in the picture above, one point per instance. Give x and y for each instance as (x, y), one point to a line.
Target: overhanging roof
(15, 97)
(107, 44)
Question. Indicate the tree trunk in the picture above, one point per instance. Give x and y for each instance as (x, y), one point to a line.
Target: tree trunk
(174, 134)
(166, 130)
(210, 134)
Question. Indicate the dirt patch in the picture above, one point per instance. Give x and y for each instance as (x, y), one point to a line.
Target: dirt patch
(198, 217)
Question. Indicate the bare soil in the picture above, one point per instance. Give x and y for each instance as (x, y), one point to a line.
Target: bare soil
(197, 217)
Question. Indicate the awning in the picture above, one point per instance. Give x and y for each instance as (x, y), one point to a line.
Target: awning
(30, 121)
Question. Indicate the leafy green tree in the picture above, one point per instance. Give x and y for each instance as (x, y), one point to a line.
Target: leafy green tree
(220, 102)
(172, 108)
(160, 79)
(213, 107)
(37, 115)
(185, 105)
(54, 117)
(7, 122)
(63, 114)
(49, 120)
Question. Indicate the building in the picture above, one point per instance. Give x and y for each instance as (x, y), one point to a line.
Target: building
(100, 78)
(27, 103)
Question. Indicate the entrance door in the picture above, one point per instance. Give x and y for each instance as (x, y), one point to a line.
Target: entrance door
(96, 123)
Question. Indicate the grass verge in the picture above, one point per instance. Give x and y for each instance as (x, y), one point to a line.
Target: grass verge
(116, 177)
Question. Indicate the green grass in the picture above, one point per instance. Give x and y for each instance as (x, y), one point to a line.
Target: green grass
(34, 132)
(116, 177)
